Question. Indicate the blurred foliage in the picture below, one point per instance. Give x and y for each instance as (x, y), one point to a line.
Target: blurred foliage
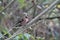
(22, 3)
(20, 37)
(2, 29)
(1, 8)
(39, 38)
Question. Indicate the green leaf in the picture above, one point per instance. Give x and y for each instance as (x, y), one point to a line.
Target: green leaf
(3, 29)
(21, 36)
(21, 3)
(1, 8)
